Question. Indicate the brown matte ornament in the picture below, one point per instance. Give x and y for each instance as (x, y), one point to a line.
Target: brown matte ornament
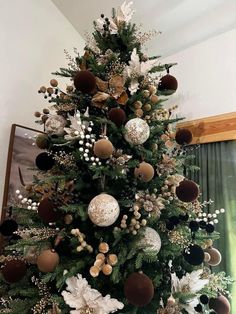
(168, 85)
(85, 82)
(42, 141)
(47, 261)
(138, 289)
(183, 136)
(215, 256)
(46, 211)
(144, 172)
(117, 115)
(13, 270)
(187, 191)
(103, 148)
(53, 82)
(220, 305)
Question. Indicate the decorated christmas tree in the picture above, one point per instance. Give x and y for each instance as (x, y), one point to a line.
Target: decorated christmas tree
(111, 223)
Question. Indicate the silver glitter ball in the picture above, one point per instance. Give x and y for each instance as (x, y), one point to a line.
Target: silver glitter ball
(55, 124)
(151, 240)
(137, 131)
(103, 210)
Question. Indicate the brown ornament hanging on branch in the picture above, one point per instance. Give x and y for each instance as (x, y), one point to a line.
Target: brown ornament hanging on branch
(14, 270)
(144, 172)
(47, 261)
(85, 82)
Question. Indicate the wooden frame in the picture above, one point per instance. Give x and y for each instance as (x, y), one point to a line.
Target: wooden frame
(9, 164)
(212, 129)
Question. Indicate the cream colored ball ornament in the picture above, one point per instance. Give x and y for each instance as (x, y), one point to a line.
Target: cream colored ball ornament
(103, 210)
(137, 131)
(151, 240)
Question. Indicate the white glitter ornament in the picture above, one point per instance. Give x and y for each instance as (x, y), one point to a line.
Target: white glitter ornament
(137, 131)
(151, 240)
(103, 210)
(55, 124)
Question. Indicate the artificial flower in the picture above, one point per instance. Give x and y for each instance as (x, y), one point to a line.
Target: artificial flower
(75, 130)
(124, 13)
(80, 296)
(55, 124)
(136, 69)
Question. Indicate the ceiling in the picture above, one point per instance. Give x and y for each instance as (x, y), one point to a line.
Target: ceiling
(183, 23)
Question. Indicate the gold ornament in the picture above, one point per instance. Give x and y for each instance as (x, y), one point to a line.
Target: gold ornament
(139, 113)
(147, 107)
(68, 219)
(154, 99)
(94, 271)
(103, 247)
(47, 261)
(112, 259)
(107, 269)
(103, 210)
(137, 131)
(103, 148)
(144, 172)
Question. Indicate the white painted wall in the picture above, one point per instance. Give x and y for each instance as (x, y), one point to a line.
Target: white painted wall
(206, 75)
(33, 35)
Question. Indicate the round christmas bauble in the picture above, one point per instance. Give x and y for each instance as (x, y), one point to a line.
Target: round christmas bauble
(167, 85)
(47, 261)
(137, 131)
(144, 171)
(151, 240)
(55, 124)
(103, 210)
(183, 136)
(194, 255)
(85, 82)
(8, 227)
(14, 270)
(53, 82)
(209, 228)
(44, 161)
(215, 256)
(107, 269)
(220, 304)
(103, 148)
(138, 289)
(42, 141)
(187, 191)
(117, 115)
(47, 211)
(193, 226)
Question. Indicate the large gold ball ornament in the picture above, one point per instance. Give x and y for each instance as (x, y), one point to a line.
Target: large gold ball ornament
(47, 261)
(144, 172)
(103, 148)
(137, 131)
(215, 256)
(151, 240)
(103, 210)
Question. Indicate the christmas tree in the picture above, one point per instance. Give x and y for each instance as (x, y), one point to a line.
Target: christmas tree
(111, 222)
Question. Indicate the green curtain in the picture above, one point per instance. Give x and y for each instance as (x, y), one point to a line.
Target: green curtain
(217, 180)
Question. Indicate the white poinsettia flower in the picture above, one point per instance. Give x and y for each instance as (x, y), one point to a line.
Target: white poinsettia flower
(80, 296)
(124, 12)
(137, 68)
(190, 283)
(75, 129)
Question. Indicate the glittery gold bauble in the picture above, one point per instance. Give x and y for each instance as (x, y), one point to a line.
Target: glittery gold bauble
(144, 172)
(103, 210)
(137, 131)
(147, 107)
(103, 148)
(151, 240)
(215, 256)
(47, 261)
